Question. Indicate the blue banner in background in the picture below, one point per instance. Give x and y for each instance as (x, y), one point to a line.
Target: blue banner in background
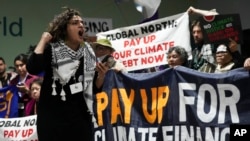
(173, 104)
(8, 102)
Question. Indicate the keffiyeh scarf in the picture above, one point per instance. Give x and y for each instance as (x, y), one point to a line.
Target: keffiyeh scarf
(65, 62)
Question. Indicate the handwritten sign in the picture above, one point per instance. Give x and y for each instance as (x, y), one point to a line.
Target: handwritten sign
(219, 28)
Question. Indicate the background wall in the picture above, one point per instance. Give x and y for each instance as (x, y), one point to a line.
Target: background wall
(32, 17)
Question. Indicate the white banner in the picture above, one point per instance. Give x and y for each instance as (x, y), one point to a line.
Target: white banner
(96, 25)
(18, 129)
(145, 45)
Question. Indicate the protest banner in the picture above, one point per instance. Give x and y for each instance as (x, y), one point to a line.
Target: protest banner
(18, 129)
(173, 104)
(96, 25)
(8, 102)
(145, 45)
(218, 29)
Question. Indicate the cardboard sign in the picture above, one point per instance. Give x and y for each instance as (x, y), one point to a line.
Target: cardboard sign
(219, 28)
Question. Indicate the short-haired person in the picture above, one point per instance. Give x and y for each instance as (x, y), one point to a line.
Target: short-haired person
(35, 88)
(103, 51)
(177, 56)
(64, 110)
(5, 77)
(224, 59)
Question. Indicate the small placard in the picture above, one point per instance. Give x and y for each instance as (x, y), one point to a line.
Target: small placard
(218, 29)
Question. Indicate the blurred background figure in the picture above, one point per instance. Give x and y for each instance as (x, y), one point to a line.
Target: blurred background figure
(22, 81)
(35, 87)
(5, 76)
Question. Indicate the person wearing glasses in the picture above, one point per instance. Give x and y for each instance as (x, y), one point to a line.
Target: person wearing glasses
(64, 109)
(224, 59)
(105, 61)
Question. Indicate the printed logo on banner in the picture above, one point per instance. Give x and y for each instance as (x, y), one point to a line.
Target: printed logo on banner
(239, 132)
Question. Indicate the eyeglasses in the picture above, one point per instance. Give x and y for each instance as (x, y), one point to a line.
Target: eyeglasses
(101, 48)
(76, 22)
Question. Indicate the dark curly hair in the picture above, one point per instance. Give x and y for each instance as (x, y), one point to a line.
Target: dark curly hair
(58, 26)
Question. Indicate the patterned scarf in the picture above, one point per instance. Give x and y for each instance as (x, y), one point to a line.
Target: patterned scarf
(65, 62)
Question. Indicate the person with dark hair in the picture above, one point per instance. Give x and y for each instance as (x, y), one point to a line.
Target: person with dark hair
(22, 81)
(177, 56)
(64, 110)
(204, 54)
(35, 88)
(5, 77)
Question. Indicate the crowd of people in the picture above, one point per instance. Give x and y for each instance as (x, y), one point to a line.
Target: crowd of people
(71, 67)
(23, 82)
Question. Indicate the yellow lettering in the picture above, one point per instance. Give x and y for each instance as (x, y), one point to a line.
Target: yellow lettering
(150, 117)
(127, 103)
(163, 95)
(115, 106)
(102, 102)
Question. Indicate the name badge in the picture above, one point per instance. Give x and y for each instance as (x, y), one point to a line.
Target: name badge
(76, 88)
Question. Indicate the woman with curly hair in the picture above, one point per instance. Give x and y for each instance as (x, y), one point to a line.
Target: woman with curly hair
(64, 110)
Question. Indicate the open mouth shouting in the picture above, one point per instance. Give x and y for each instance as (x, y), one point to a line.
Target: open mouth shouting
(81, 34)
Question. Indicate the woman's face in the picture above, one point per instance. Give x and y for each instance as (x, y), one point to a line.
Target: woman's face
(20, 68)
(35, 91)
(223, 58)
(174, 59)
(102, 50)
(75, 30)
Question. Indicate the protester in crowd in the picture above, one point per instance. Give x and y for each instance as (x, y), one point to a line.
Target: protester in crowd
(177, 56)
(6, 98)
(5, 77)
(35, 87)
(247, 64)
(22, 82)
(204, 54)
(64, 110)
(105, 61)
(224, 59)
